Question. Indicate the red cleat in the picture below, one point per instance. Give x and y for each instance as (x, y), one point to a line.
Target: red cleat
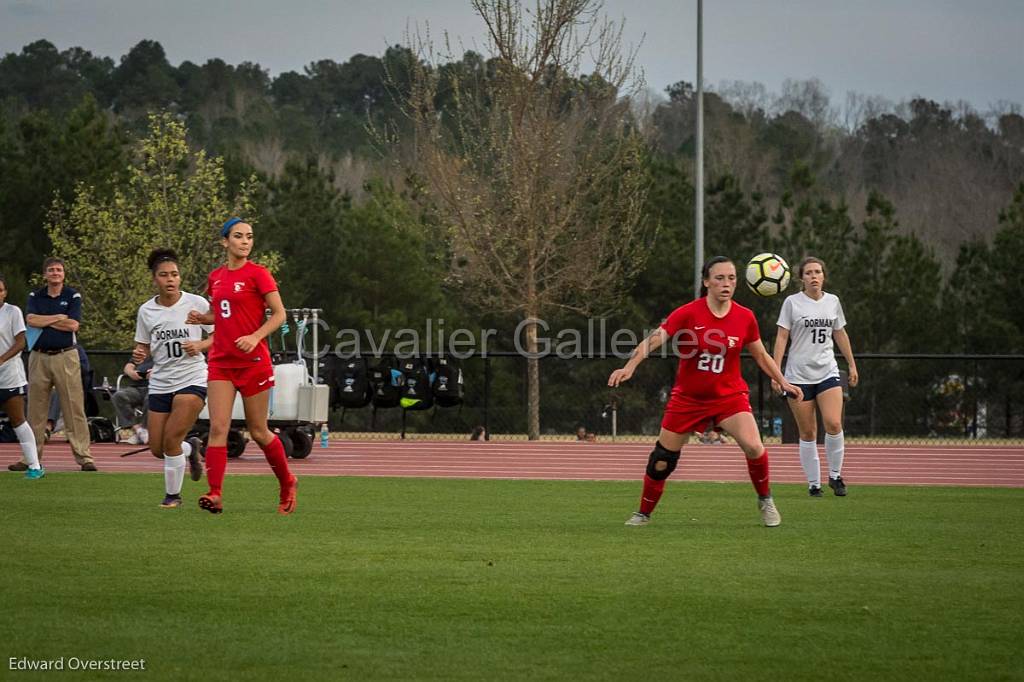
(287, 505)
(212, 503)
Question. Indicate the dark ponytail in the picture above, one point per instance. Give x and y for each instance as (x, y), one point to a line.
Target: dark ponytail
(158, 256)
(705, 272)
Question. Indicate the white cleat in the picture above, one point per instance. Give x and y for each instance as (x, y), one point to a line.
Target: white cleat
(769, 514)
(638, 519)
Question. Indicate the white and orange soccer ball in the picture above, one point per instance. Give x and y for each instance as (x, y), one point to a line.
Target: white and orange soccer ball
(767, 274)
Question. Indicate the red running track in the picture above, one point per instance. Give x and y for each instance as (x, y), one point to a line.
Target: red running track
(864, 464)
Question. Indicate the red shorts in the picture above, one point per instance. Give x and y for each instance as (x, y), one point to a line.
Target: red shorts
(691, 416)
(248, 380)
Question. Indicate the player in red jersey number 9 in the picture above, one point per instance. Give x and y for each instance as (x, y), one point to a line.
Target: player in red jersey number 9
(240, 292)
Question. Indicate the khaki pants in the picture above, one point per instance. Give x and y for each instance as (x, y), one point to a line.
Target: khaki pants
(63, 372)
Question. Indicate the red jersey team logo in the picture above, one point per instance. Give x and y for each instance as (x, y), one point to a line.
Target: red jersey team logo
(239, 286)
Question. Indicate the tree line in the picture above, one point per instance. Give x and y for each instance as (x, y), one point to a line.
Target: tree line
(917, 208)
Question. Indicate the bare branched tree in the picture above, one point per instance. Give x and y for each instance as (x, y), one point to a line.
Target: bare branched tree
(535, 167)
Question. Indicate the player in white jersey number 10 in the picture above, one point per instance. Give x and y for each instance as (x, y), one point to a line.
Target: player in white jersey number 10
(177, 382)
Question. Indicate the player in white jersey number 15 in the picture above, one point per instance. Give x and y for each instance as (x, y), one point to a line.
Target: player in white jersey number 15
(810, 321)
(177, 382)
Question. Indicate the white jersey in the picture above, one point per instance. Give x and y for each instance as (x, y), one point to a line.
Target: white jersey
(165, 331)
(12, 372)
(810, 324)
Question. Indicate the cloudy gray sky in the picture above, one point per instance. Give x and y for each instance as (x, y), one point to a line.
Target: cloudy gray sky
(946, 50)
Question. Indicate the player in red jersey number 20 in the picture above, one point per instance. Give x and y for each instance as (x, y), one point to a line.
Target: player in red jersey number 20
(239, 294)
(709, 334)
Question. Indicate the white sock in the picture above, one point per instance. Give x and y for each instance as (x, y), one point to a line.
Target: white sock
(174, 473)
(810, 462)
(834, 450)
(186, 449)
(27, 440)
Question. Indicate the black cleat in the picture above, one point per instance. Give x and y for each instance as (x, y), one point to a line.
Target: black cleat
(815, 491)
(195, 464)
(838, 487)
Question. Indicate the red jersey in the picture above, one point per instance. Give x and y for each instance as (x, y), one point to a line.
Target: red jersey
(236, 298)
(709, 346)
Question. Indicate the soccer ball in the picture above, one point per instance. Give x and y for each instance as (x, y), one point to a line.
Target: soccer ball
(767, 274)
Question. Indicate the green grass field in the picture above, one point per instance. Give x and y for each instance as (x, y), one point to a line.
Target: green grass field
(465, 579)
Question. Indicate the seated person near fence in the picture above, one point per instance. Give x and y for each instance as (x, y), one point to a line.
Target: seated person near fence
(584, 436)
(478, 433)
(712, 436)
(130, 400)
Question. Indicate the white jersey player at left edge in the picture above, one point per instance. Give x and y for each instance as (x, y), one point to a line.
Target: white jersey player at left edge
(177, 382)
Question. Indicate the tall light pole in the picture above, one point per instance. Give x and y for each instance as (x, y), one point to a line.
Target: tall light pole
(698, 174)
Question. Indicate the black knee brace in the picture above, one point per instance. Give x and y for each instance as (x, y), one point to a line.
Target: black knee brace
(660, 454)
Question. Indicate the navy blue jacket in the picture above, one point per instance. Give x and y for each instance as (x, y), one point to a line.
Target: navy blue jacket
(68, 302)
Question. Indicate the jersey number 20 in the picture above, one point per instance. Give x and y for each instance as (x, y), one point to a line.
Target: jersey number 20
(711, 363)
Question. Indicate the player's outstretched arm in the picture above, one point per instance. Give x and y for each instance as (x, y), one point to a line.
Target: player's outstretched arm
(842, 340)
(196, 317)
(15, 349)
(276, 319)
(194, 348)
(140, 353)
(781, 339)
(768, 366)
(639, 354)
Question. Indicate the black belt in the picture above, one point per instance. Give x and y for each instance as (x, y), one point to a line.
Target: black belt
(56, 351)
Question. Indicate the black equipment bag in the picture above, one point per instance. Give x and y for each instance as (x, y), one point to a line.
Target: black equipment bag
(352, 383)
(101, 430)
(416, 393)
(385, 384)
(7, 434)
(447, 386)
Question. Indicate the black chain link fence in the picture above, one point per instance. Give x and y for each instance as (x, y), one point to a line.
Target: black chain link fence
(901, 398)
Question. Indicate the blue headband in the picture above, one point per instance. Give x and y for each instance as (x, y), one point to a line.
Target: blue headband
(228, 224)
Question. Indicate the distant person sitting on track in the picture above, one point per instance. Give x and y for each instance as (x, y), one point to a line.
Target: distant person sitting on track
(240, 292)
(478, 433)
(810, 321)
(584, 436)
(177, 382)
(13, 384)
(710, 334)
(130, 399)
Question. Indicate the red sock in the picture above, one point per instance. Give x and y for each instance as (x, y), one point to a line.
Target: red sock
(652, 493)
(216, 465)
(274, 452)
(758, 469)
